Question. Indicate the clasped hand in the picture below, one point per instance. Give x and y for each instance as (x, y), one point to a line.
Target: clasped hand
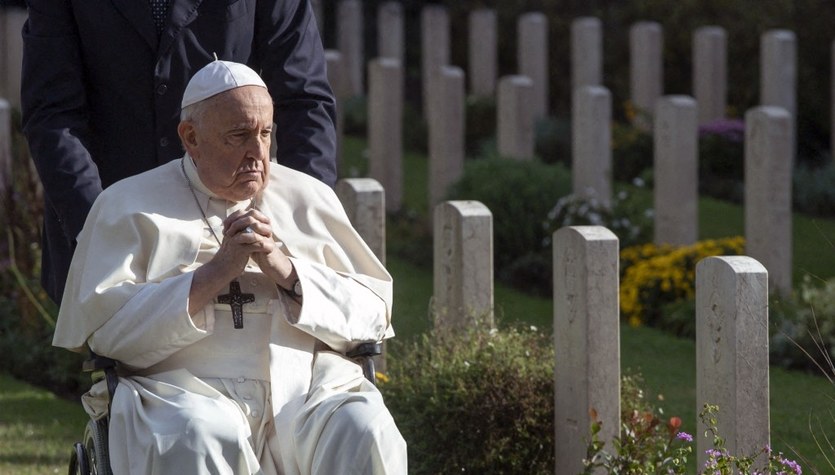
(248, 233)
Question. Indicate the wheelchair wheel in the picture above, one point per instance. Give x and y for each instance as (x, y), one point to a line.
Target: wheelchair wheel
(95, 443)
(79, 464)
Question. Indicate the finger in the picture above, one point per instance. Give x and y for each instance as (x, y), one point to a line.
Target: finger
(240, 220)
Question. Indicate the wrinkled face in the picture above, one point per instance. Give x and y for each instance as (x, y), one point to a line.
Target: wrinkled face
(230, 142)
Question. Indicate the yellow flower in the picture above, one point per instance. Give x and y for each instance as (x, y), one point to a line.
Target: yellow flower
(381, 377)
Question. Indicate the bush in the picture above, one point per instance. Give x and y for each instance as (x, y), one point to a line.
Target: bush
(722, 159)
(632, 152)
(27, 316)
(653, 276)
(475, 402)
(626, 217)
(553, 140)
(814, 190)
(482, 401)
(519, 195)
(481, 125)
(803, 327)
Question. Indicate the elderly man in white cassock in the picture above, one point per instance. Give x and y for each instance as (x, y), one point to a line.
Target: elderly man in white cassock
(228, 288)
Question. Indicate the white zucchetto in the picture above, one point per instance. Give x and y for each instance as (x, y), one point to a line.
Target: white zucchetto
(216, 77)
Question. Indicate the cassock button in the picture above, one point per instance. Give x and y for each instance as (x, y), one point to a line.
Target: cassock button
(163, 142)
(254, 413)
(162, 89)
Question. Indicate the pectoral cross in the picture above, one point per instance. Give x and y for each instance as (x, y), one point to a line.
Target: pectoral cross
(236, 300)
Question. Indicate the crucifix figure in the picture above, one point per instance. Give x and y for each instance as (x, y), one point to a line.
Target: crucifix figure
(236, 300)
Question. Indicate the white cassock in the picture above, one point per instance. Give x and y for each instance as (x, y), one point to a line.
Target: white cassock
(197, 396)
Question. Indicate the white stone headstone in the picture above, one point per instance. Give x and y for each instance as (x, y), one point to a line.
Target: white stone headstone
(434, 49)
(591, 132)
(483, 52)
(769, 139)
(676, 171)
(446, 134)
(364, 202)
(463, 265)
(778, 70)
(5, 147)
(385, 128)
(532, 54)
(586, 52)
(586, 341)
(646, 48)
(710, 72)
(515, 119)
(350, 42)
(732, 352)
(390, 33)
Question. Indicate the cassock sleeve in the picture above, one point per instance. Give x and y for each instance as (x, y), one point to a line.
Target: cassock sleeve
(337, 309)
(129, 282)
(288, 51)
(152, 325)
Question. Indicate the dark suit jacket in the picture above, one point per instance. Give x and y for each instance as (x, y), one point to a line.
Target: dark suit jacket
(101, 94)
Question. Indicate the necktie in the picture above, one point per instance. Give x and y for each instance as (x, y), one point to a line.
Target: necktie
(159, 8)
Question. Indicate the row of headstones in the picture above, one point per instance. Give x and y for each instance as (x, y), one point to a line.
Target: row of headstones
(777, 74)
(769, 152)
(731, 320)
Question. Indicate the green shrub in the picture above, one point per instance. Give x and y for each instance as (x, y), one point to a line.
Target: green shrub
(814, 190)
(553, 140)
(722, 159)
(519, 195)
(626, 216)
(355, 115)
(481, 124)
(27, 316)
(415, 131)
(803, 327)
(474, 402)
(632, 152)
(482, 401)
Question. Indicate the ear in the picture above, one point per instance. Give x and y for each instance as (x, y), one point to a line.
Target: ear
(188, 135)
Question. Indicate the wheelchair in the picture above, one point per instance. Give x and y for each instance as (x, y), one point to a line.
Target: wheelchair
(91, 456)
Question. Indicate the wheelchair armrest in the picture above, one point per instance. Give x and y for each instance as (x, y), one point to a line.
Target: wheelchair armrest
(102, 367)
(373, 348)
(363, 354)
(96, 363)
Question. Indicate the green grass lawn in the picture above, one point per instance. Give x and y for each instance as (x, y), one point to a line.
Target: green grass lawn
(37, 429)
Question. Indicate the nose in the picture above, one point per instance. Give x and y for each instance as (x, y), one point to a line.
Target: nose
(258, 147)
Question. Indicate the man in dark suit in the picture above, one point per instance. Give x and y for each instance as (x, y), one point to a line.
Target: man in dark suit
(102, 82)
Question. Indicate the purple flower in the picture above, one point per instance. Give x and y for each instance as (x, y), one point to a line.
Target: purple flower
(794, 466)
(684, 436)
(730, 129)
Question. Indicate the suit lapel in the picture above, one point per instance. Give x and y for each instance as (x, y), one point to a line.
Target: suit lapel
(138, 13)
(180, 14)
